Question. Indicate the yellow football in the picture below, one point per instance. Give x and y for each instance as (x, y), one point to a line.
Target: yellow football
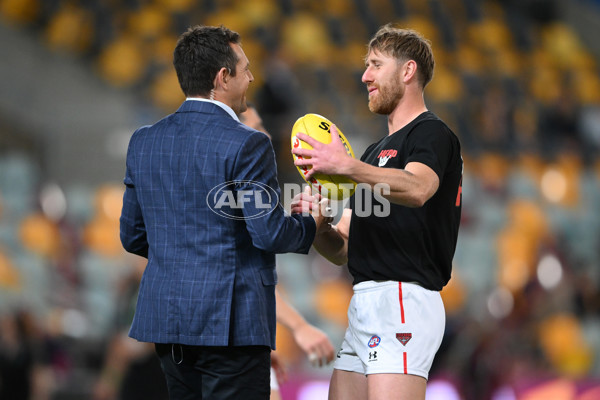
(335, 187)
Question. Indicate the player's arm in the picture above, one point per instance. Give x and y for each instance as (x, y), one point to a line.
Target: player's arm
(411, 186)
(330, 242)
(333, 243)
(311, 340)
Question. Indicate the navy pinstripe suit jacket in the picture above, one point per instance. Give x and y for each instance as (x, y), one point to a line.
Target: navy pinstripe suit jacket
(210, 280)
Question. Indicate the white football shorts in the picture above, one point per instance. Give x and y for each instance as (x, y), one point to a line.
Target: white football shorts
(393, 328)
(274, 383)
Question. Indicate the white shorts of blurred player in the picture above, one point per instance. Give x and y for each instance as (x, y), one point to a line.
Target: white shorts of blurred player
(274, 383)
(393, 327)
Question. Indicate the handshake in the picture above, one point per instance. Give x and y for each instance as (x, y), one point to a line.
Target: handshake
(306, 203)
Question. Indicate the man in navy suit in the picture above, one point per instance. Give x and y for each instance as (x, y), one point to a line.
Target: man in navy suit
(202, 204)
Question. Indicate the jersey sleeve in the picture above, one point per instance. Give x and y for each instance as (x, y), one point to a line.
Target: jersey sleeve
(431, 143)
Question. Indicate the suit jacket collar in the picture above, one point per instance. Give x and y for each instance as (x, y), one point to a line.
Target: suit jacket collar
(207, 106)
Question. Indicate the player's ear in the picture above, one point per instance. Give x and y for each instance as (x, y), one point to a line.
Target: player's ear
(409, 70)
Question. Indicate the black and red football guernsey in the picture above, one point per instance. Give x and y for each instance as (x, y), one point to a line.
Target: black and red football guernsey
(410, 244)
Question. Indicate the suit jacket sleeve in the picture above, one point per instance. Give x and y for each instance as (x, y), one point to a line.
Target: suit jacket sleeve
(133, 230)
(276, 232)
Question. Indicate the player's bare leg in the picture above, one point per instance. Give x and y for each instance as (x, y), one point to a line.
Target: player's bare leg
(346, 385)
(396, 386)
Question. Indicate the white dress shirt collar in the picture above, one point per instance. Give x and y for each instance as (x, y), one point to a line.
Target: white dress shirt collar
(224, 106)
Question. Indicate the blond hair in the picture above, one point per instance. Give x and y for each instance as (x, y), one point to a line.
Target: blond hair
(404, 45)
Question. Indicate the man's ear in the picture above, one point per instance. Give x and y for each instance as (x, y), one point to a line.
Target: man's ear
(225, 74)
(410, 70)
(222, 78)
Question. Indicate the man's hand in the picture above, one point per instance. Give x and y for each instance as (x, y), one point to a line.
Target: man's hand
(331, 158)
(305, 202)
(315, 205)
(315, 344)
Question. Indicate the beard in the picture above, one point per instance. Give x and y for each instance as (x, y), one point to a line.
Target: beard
(387, 98)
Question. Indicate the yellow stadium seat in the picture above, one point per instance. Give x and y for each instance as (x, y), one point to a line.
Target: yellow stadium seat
(287, 348)
(446, 87)
(516, 256)
(531, 164)
(108, 201)
(382, 10)
(306, 41)
(40, 235)
(101, 235)
(561, 42)
(562, 340)
(544, 84)
(232, 19)
(353, 55)
(165, 91)
(10, 278)
(528, 216)
(454, 294)
(150, 22)
(490, 34)
(417, 7)
(331, 300)
(177, 6)
(20, 11)
(338, 8)
(508, 63)
(424, 26)
(258, 13)
(162, 50)
(582, 60)
(469, 59)
(492, 169)
(517, 244)
(586, 85)
(123, 62)
(71, 29)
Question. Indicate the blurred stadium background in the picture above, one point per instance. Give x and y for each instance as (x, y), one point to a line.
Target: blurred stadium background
(518, 81)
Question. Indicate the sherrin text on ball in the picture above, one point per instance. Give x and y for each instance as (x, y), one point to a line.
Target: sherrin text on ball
(335, 187)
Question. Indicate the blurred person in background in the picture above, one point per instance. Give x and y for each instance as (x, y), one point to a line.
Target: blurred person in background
(207, 295)
(313, 342)
(399, 261)
(130, 370)
(309, 338)
(16, 357)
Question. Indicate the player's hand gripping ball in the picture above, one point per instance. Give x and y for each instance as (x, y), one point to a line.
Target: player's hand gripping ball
(335, 187)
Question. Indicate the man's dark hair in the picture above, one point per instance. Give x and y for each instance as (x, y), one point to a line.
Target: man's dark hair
(200, 53)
